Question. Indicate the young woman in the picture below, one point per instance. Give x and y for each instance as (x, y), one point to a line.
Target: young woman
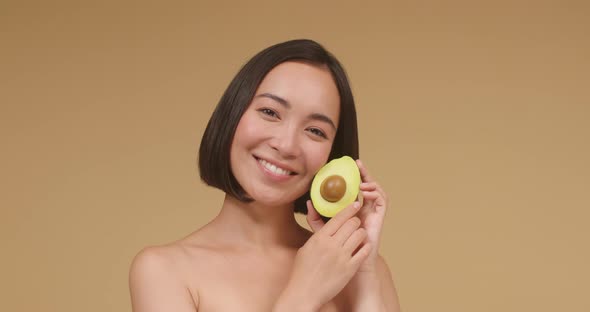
(286, 113)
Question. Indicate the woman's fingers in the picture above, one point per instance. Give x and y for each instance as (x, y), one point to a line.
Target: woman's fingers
(313, 217)
(370, 196)
(365, 177)
(355, 240)
(368, 186)
(346, 230)
(340, 218)
(361, 255)
(372, 193)
(373, 202)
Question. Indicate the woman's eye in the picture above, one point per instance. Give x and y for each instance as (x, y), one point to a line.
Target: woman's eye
(269, 112)
(318, 132)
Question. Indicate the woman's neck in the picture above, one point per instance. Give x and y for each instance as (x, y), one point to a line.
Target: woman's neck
(253, 225)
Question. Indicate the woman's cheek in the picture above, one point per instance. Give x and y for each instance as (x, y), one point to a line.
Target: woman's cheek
(320, 156)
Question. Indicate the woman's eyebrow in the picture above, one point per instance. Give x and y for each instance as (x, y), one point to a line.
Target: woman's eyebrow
(324, 118)
(285, 103)
(276, 98)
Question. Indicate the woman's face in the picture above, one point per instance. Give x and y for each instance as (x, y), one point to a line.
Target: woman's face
(286, 134)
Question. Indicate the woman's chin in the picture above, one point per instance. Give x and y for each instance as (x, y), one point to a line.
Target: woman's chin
(272, 201)
(273, 196)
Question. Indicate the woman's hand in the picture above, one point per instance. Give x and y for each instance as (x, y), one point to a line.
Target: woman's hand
(372, 288)
(328, 260)
(371, 214)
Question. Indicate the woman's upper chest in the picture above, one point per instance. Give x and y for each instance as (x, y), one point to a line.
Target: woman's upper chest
(246, 283)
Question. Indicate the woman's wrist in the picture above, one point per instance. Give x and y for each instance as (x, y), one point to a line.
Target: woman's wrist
(365, 291)
(366, 282)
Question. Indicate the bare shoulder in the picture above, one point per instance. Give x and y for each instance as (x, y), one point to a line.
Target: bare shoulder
(156, 282)
(156, 261)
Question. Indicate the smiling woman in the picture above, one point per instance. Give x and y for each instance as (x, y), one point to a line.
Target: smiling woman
(287, 112)
(282, 134)
(214, 151)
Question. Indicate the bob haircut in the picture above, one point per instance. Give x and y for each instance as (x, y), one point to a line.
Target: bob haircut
(214, 151)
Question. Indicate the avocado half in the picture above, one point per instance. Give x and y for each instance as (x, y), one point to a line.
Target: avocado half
(335, 186)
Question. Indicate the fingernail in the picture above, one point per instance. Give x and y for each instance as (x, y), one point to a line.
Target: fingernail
(356, 205)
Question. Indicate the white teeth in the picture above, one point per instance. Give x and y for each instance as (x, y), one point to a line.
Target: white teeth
(274, 168)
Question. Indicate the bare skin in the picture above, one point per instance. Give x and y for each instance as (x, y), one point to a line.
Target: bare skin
(230, 270)
(255, 256)
(214, 269)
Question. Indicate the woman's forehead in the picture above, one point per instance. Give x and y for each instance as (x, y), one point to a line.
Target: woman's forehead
(302, 85)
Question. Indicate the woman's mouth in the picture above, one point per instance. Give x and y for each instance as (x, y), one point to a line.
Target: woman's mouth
(274, 168)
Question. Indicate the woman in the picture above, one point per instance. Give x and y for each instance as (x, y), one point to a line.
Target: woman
(286, 113)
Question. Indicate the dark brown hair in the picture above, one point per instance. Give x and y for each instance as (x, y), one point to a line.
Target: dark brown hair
(214, 152)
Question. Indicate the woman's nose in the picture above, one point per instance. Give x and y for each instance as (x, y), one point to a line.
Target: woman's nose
(286, 142)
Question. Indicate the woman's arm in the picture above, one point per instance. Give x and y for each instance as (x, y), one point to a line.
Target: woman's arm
(374, 291)
(372, 288)
(388, 291)
(156, 286)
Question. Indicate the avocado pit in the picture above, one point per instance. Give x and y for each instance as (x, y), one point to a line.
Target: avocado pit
(333, 188)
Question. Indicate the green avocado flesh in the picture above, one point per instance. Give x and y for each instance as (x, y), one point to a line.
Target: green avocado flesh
(324, 199)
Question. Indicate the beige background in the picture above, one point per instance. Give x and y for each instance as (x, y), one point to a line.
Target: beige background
(473, 116)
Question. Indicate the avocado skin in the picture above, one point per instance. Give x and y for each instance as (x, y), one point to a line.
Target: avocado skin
(345, 167)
